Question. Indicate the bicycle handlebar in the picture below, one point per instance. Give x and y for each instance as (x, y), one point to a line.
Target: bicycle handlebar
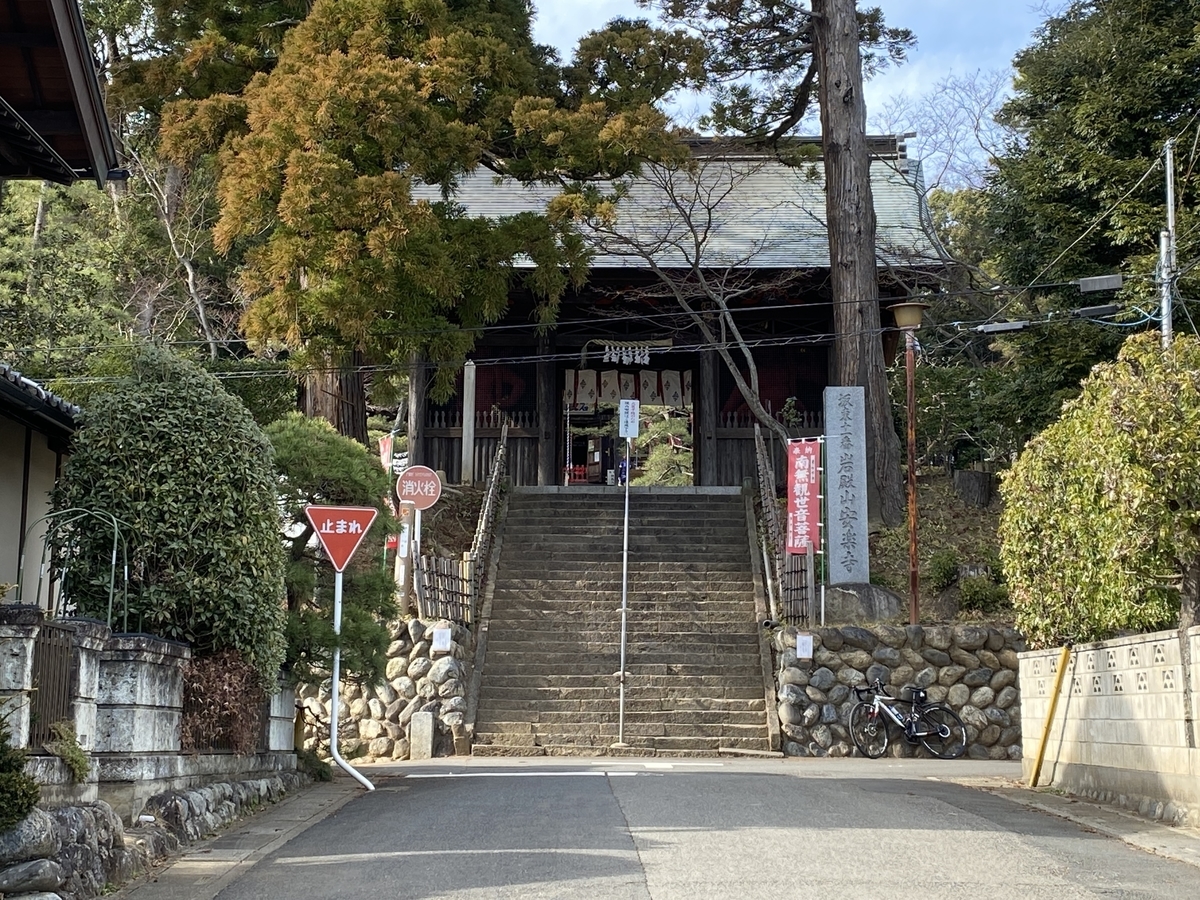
(874, 688)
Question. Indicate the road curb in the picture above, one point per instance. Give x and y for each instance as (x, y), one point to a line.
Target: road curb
(1168, 841)
(207, 867)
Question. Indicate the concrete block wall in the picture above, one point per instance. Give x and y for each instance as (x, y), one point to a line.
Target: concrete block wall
(1120, 733)
(16, 677)
(139, 700)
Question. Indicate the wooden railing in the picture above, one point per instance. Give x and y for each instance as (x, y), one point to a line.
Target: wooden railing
(484, 418)
(452, 589)
(789, 575)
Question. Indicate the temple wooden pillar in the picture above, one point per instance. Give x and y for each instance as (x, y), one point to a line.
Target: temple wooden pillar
(548, 402)
(704, 440)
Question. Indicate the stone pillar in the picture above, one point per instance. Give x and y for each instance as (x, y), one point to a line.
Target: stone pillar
(89, 641)
(139, 700)
(281, 721)
(704, 440)
(19, 626)
(421, 734)
(846, 485)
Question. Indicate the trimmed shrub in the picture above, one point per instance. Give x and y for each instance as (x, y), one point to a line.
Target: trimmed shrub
(184, 468)
(1102, 510)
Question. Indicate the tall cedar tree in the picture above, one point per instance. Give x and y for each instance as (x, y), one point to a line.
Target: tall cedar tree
(767, 61)
(369, 97)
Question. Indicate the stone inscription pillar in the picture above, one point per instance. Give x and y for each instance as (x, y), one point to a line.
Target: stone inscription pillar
(846, 485)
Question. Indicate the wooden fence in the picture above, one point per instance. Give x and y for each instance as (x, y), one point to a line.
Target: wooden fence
(790, 576)
(452, 589)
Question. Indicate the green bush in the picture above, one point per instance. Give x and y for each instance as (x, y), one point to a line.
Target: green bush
(66, 747)
(19, 793)
(315, 464)
(978, 593)
(1102, 510)
(942, 570)
(267, 388)
(183, 466)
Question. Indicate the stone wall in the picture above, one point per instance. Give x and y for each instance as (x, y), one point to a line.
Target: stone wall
(376, 720)
(80, 852)
(971, 668)
(1124, 729)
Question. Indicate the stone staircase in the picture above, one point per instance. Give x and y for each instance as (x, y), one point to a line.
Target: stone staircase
(548, 684)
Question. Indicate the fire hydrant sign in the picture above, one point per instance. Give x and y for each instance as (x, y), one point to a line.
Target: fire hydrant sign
(340, 529)
(420, 486)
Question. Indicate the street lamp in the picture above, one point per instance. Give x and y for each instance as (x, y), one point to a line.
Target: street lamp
(908, 320)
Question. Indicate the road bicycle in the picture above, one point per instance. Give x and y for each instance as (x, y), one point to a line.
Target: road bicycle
(933, 725)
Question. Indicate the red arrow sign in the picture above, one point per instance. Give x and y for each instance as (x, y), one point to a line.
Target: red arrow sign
(340, 529)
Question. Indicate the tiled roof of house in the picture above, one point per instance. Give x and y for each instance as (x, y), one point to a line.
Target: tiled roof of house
(764, 214)
(18, 391)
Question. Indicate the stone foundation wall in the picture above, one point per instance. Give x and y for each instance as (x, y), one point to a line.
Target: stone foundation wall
(83, 851)
(971, 668)
(376, 721)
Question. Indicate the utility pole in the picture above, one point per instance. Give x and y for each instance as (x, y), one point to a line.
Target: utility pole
(1166, 247)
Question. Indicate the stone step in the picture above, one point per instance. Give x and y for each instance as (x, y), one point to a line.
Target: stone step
(638, 746)
(676, 612)
(675, 616)
(515, 641)
(683, 694)
(597, 666)
(600, 533)
(544, 564)
(684, 583)
(546, 720)
(646, 559)
(563, 732)
(544, 701)
(641, 683)
(601, 663)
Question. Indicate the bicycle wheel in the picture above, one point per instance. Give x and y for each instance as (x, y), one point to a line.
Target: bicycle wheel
(869, 730)
(950, 737)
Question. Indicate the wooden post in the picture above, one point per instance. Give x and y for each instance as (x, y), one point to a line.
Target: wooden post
(548, 402)
(704, 441)
(417, 380)
(468, 424)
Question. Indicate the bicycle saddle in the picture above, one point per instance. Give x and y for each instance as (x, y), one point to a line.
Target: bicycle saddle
(910, 693)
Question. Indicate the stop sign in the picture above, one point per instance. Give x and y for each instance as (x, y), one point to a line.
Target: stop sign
(420, 486)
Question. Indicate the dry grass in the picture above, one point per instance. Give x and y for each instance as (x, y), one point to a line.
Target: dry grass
(448, 527)
(944, 522)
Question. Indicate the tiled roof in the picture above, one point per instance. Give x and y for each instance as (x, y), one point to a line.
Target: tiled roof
(765, 214)
(35, 397)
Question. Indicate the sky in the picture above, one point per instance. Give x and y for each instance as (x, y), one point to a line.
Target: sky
(954, 36)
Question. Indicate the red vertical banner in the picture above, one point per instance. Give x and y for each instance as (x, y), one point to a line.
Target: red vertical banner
(803, 496)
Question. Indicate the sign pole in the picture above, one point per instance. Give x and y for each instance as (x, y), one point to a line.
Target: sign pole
(340, 529)
(628, 430)
(336, 688)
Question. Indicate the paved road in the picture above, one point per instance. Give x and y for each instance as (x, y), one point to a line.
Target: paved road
(697, 830)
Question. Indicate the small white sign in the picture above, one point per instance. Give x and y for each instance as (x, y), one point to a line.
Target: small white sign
(804, 648)
(629, 418)
(441, 641)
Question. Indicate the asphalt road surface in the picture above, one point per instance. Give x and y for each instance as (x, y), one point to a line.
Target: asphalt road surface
(699, 830)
